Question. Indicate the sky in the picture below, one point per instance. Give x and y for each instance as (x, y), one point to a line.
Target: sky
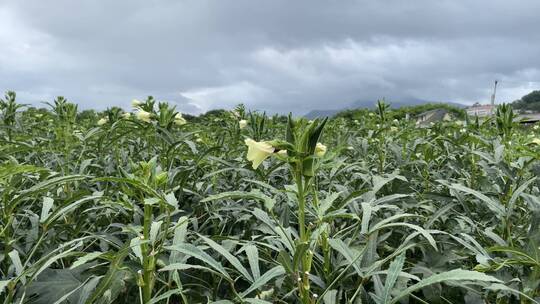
(277, 56)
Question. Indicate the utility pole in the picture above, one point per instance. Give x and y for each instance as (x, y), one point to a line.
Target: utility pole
(493, 96)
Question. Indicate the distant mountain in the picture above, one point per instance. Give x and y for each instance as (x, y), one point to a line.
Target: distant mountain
(361, 104)
(321, 113)
(401, 103)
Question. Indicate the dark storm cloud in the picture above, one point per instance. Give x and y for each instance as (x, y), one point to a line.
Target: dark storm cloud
(271, 55)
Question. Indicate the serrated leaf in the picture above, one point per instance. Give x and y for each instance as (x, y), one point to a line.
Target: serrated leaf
(46, 208)
(180, 233)
(154, 230)
(253, 258)
(171, 200)
(135, 245)
(391, 277)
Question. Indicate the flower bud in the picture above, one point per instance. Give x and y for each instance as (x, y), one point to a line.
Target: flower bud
(242, 123)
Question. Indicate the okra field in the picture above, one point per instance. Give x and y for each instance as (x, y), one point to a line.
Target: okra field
(148, 206)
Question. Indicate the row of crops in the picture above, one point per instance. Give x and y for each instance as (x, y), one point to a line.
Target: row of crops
(147, 206)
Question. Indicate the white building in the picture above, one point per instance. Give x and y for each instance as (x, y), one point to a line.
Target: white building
(480, 110)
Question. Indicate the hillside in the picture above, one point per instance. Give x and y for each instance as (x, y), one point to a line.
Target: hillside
(529, 102)
(362, 104)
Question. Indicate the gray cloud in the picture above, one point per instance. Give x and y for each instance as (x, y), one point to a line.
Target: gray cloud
(271, 55)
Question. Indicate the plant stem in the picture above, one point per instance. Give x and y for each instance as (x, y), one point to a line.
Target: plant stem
(301, 207)
(148, 257)
(304, 287)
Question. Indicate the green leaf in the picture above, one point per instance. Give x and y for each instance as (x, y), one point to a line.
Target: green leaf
(391, 277)
(518, 252)
(285, 260)
(422, 231)
(135, 183)
(299, 253)
(284, 237)
(171, 200)
(502, 287)
(291, 132)
(253, 258)
(366, 217)
(380, 181)
(135, 245)
(47, 184)
(231, 258)
(46, 208)
(492, 204)
(253, 194)
(517, 193)
(351, 255)
(151, 201)
(257, 301)
(58, 286)
(14, 256)
(9, 169)
(56, 214)
(87, 289)
(49, 261)
(154, 230)
(327, 203)
(182, 266)
(265, 278)
(389, 198)
(111, 277)
(459, 275)
(165, 295)
(85, 259)
(67, 295)
(180, 233)
(200, 255)
(3, 285)
(330, 297)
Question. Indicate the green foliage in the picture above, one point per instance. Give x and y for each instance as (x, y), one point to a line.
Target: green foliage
(382, 109)
(415, 110)
(530, 102)
(8, 110)
(154, 209)
(504, 119)
(401, 112)
(87, 117)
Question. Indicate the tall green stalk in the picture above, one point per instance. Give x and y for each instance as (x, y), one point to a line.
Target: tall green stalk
(301, 207)
(304, 283)
(148, 256)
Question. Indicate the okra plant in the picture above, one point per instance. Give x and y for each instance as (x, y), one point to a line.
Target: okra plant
(150, 205)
